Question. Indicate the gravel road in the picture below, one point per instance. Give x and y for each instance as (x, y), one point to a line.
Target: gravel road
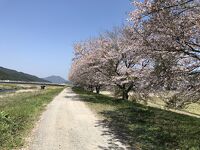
(68, 124)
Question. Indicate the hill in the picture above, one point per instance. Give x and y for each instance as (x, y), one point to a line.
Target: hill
(55, 79)
(8, 74)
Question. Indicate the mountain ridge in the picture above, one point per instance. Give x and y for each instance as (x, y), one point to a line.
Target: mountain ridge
(9, 74)
(55, 79)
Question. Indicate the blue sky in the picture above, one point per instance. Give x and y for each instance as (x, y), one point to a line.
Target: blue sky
(37, 36)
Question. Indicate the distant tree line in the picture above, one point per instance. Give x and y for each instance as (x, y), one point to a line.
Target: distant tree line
(158, 51)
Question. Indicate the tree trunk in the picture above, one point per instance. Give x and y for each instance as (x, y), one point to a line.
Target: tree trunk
(125, 91)
(97, 89)
(90, 88)
(125, 95)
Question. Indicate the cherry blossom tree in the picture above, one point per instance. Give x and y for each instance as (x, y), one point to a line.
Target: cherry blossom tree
(159, 50)
(113, 59)
(129, 64)
(170, 31)
(170, 26)
(82, 72)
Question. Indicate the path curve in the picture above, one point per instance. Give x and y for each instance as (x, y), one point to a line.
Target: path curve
(68, 124)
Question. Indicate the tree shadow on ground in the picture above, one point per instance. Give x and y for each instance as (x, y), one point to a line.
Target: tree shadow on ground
(112, 142)
(143, 127)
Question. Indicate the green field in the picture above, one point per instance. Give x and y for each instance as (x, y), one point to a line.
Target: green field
(18, 114)
(144, 127)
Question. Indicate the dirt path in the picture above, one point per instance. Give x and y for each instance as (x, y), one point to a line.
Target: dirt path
(68, 124)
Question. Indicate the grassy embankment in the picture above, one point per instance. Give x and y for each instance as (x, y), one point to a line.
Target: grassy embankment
(158, 102)
(193, 108)
(18, 114)
(144, 127)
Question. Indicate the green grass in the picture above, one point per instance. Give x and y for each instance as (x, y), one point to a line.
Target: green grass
(144, 127)
(18, 114)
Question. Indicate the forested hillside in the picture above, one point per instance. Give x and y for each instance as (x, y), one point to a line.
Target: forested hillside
(8, 74)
